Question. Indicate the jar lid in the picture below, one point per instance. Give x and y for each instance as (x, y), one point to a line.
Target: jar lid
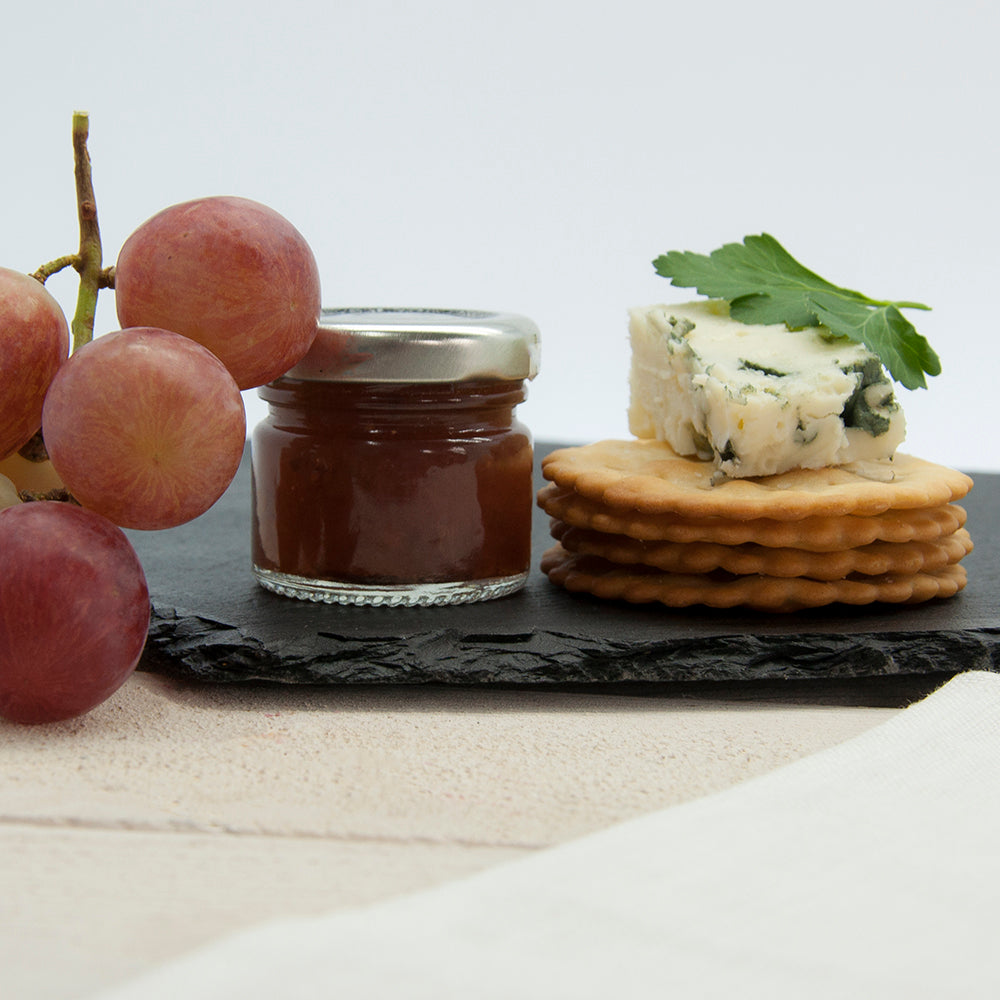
(419, 345)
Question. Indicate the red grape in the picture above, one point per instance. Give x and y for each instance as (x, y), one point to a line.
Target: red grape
(74, 611)
(145, 427)
(34, 342)
(229, 273)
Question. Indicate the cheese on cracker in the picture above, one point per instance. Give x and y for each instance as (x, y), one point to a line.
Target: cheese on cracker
(757, 400)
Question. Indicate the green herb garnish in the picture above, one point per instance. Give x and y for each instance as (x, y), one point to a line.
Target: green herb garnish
(763, 283)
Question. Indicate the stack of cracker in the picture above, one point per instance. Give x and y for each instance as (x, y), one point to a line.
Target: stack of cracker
(635, 521)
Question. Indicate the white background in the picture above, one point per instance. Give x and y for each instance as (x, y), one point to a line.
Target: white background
(536, 156)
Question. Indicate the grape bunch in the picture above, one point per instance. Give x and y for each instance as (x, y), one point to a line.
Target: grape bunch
(144, 428)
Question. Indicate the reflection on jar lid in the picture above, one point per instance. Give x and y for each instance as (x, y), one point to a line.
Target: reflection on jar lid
(419, 345)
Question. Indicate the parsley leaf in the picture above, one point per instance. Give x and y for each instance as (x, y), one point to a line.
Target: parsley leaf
(763, 283)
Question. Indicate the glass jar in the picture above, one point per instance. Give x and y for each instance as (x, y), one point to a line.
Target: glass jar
(391, 468)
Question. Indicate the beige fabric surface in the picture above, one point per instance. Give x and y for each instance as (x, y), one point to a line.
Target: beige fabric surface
(176, 813)
(866, 870)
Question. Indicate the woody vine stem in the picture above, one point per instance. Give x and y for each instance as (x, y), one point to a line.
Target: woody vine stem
(87, 261)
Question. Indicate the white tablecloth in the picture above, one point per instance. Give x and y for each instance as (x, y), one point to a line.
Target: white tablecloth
(868, 870)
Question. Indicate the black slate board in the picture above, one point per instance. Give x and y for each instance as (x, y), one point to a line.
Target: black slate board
(211, 621)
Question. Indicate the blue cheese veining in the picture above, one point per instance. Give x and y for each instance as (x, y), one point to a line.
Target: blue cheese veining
(757, 400)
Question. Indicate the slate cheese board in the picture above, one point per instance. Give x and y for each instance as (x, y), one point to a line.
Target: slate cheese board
(211, 621)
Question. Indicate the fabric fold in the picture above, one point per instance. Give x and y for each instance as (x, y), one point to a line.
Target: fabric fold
(870, 869)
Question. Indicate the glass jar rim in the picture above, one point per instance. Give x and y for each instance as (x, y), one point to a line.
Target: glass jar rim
(374, 344)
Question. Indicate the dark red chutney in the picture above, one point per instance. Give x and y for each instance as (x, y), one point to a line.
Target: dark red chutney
(373, 483)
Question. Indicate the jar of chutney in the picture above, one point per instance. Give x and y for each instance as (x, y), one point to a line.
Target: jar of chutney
(391, 468)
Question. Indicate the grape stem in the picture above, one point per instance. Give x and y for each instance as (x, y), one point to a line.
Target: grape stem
(87, 261)
(90, 236)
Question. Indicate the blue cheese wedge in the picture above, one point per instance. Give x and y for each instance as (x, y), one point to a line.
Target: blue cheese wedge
(757, 400)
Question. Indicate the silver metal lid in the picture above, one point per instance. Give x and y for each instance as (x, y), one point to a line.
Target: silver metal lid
(420, 345)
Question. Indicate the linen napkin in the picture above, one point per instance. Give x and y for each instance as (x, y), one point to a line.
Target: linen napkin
(868, 870)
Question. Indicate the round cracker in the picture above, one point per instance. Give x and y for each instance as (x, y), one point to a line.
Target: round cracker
(649, 476)
(876, 559)
(645, 585)
(821, 533)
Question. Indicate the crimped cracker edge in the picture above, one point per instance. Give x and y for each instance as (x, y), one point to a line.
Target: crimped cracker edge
(640, 585)
(642, 475)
